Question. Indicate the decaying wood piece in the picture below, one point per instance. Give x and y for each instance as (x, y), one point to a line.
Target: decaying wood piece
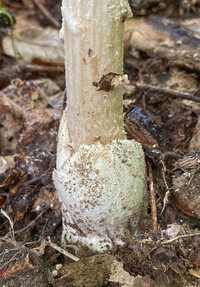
(166, 38)
(97, 271)
(19, 266)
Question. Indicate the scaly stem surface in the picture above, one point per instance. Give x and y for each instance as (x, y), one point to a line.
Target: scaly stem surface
(93, 33)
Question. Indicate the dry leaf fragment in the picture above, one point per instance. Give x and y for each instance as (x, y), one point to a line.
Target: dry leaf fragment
(36, 45)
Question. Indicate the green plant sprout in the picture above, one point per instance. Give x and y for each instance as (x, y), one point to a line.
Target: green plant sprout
(11, 20)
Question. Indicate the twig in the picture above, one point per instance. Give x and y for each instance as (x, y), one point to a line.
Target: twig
(59, 249)
(179, 237)
(167, 194)
(152, 196)
(11, 224)
(172, 240)
(46, 13)
(32, 222)
(165, 201)
(170, 93)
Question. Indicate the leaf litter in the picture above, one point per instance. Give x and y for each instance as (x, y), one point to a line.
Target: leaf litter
(163, 69)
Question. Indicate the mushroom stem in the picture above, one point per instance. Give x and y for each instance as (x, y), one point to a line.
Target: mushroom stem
(100, 175)
(93, 33)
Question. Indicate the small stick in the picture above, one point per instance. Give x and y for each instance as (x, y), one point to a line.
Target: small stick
(46, 13)
(179, 237)
(11, 223)
(32, 223)
(152, 196)
(167, 194)
(172, 240)
(167, 92)
(59, 249)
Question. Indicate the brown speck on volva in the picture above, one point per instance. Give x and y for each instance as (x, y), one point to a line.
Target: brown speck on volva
(84, 61)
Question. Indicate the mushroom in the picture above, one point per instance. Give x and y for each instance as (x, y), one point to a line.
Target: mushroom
(100, 175)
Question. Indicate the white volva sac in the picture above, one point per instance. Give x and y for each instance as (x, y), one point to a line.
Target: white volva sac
(100, 176)
(101, 188)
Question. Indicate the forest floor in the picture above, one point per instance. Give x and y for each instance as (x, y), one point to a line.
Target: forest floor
(161, 111)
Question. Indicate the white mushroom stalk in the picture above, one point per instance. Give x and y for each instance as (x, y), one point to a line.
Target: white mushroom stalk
(100, 176)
